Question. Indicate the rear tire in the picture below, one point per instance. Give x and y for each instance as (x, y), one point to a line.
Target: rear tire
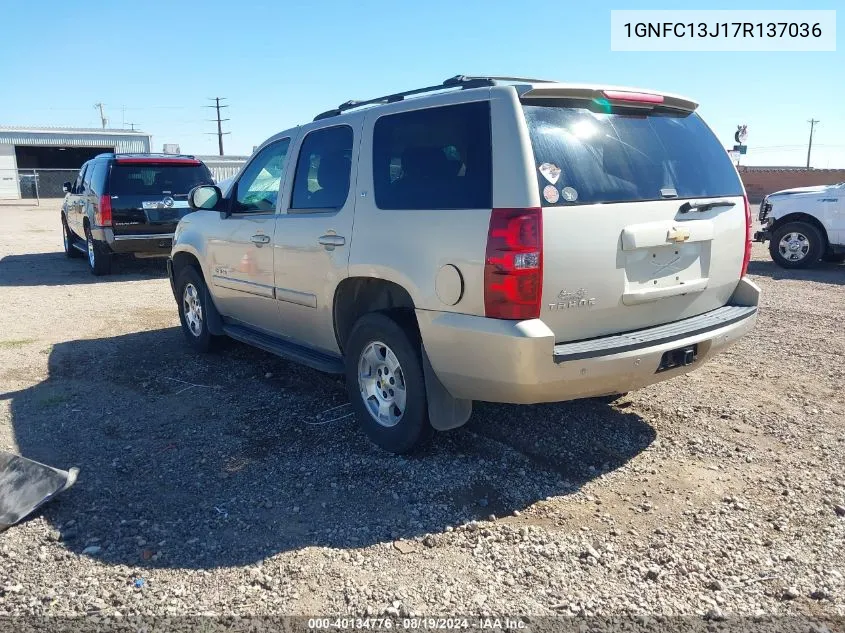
(99, 257)
(192, 297)
(69, 240)
(796, 245)
(386, 384)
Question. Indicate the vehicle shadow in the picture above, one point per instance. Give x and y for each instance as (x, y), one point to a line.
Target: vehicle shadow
(203, 461)
(822, 272)
(55, 269)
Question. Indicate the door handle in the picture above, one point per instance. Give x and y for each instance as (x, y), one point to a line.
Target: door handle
(330, 241)
(260, 239)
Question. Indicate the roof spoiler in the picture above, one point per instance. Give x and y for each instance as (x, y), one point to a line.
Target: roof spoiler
(615, 96)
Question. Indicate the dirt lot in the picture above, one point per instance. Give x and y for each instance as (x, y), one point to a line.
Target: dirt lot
(711, 495)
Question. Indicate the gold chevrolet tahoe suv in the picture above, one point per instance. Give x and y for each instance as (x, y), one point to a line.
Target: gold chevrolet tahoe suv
(487, 238)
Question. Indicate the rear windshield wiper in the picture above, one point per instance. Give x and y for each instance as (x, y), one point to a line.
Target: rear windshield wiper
(686, 207)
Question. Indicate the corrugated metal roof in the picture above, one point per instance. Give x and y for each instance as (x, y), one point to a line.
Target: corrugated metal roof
(124, 141)
(750, 168)
(46, 129)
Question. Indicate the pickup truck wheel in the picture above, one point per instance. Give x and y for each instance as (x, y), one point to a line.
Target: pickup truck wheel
(99, 258)
(386, 384)
(192, 295)
(796, 245)
(69, 239)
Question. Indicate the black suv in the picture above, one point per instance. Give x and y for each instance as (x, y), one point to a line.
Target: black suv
(128, 203)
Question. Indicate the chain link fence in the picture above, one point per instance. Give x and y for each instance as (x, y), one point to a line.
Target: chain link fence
(27, 185)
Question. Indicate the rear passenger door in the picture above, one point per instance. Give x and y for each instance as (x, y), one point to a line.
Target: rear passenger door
(72, 205)
(314, 232)
(86, 207)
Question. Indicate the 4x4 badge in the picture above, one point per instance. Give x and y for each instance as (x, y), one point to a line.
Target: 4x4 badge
(572, 299)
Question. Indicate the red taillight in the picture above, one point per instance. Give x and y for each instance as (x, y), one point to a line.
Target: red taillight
(513, 266)
(637, 97)
(747, 256)
(102, 216)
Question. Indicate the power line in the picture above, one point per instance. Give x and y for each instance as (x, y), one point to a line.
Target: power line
(220, 131)
(812, 123)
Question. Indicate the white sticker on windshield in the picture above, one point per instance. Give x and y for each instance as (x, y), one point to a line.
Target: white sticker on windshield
(551, 194)
(569, 194)
(550, 171)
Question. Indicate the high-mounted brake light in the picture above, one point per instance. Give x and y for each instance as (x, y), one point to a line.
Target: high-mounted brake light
(513, 266)
(635, 97)
(102, 216)
(746, 258)
(158, 161)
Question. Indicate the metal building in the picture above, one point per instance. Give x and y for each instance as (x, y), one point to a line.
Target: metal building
(35, 161)
(223, 167)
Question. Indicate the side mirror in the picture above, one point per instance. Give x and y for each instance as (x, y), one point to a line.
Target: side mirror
(66, 187)
(205, 197)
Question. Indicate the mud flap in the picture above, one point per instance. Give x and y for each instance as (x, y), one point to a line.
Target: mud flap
(445, 412)
(26, 485)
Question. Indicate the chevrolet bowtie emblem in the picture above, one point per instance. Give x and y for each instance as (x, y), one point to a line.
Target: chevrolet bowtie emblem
(677, 234)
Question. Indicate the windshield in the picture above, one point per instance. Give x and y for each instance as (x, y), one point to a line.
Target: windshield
(153, 179)
(593, 157)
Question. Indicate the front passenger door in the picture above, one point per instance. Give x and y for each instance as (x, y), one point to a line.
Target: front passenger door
(240, 246)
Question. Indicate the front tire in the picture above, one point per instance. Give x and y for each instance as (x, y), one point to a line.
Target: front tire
(99, 258)
(193, 312)
(796, 245)
(386, 384)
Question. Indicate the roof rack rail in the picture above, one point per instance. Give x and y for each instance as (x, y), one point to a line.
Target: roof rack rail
(464, 82)
(458, 79)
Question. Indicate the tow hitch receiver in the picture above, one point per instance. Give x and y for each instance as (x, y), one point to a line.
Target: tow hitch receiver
(678, 358)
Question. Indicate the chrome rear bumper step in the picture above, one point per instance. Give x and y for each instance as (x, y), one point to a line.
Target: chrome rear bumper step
(649, 337)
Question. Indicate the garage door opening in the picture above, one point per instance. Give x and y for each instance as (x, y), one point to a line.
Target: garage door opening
(42, 170)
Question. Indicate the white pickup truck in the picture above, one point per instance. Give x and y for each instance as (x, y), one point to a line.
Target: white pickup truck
(804, 225)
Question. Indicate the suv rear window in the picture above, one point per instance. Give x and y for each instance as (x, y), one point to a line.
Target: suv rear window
(436, 158)
(592, 157)
(156, 179)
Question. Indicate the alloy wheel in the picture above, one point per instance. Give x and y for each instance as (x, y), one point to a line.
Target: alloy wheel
(794, 246)
(192, 308)
(382, 384)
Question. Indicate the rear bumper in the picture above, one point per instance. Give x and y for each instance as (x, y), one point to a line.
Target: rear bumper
(517, 361)
(147, 243)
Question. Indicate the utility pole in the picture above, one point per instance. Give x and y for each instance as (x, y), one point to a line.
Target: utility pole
(103, 118)
(220, 131)
(812, 123)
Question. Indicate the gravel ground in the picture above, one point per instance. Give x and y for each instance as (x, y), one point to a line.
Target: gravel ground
(237, 483)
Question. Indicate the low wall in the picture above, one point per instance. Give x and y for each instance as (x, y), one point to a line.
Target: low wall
(760, 182)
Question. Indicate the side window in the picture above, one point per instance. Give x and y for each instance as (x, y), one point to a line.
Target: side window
(436, 158)
(86, 179)
(323, 169)
(258, 187)
(77, 186)
(99, 177)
